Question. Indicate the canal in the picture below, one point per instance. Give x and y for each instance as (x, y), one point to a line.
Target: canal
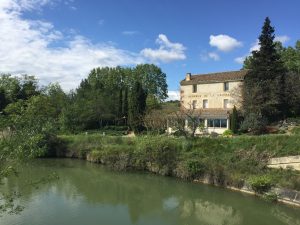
(91, 194)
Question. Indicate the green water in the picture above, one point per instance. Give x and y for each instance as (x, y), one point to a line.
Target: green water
(88, 194)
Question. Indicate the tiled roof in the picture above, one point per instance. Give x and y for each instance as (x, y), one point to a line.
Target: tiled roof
(216, 77)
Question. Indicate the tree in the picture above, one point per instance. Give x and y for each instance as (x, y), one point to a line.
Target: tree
(186, 121)
(263, 90)
(11, 86)
(136, 106)
(153, 80)
(29, 87)
(234, 121)
(292, 93)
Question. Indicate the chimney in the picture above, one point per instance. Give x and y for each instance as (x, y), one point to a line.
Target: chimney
(188, 77)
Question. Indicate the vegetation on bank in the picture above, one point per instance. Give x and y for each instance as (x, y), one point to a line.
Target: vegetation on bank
(221, 161)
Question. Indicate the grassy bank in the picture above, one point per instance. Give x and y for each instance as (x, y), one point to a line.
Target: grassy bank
(222, 161)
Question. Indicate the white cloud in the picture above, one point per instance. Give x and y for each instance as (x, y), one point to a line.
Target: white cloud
(166, 52)
(256, 47)
(240, 60)
(214, 56)
(26, 48)
(224, 42)
(173, 95)
(206, 56)
(283, 39)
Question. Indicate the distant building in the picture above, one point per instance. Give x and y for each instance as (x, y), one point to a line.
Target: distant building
(212, 97)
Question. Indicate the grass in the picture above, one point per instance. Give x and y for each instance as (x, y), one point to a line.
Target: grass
(224, 161)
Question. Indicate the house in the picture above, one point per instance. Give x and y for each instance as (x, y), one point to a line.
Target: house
(212, 97)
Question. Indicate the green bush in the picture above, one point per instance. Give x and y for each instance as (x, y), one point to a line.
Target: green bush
(196, 168)
(227, 133)
(270, 197)
(254, 123)
(261, 184)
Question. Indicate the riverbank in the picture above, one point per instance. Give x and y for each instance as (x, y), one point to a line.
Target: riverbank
(239, 163)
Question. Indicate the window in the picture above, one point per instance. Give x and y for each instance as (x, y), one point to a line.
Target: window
(217, 123)
(194, 88)
(226, 104)
(226, 86)
(194, 104)
(205, 103)
(210, 123)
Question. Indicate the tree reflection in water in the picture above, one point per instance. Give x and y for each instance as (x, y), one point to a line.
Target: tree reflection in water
(89, 192)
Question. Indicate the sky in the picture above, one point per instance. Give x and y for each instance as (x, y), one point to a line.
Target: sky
(63, 40)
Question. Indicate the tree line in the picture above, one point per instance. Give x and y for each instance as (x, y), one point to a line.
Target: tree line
(31, 116)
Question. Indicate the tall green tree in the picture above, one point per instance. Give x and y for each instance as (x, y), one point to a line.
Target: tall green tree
(137, 106)
(264, 85)
(234, 120)
(11, 86)
(29, 87)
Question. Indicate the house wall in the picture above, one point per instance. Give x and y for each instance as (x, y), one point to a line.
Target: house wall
(213, 92)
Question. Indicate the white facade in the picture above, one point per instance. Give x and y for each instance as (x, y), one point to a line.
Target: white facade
(212, 97)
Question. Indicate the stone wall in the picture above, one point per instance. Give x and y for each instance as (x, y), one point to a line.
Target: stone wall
(292, 162)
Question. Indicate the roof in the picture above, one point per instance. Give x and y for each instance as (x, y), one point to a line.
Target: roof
(216, 77)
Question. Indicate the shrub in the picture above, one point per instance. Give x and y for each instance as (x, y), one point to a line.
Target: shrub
(261, 184)
(195, 168)
(270, 197)
(227, 133)
(254, 123)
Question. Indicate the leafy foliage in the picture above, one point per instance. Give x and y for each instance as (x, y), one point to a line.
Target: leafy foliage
(264, 85)
(261, 184)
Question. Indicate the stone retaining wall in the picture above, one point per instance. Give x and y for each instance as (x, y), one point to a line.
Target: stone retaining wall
(285, 162)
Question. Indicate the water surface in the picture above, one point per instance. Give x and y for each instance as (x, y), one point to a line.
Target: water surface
(89, 194)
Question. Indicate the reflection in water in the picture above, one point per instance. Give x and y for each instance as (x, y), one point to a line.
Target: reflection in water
(210, 213)
(285, 218)
(170, 203)
(90, 194)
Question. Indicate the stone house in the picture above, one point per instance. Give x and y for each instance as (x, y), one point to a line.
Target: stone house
(212, 97)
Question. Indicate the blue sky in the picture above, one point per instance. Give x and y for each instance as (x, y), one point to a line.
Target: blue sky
(62, 40)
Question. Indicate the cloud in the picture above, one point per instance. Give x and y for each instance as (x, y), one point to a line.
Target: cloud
(240, 60)
(205, 56)
(283, 39)
(224, 42)
(256, 47)
(27, 47)
(167, 51)
(130, 32)
(173, 95)
(214, 56)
